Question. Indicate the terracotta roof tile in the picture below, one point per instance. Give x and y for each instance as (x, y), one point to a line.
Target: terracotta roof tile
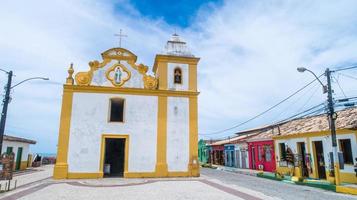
(346, 119)
(18, 139)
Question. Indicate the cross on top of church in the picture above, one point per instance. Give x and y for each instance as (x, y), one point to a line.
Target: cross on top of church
(120, 35)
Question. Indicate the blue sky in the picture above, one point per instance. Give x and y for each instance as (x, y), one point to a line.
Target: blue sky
(176, 13)
(249, 53)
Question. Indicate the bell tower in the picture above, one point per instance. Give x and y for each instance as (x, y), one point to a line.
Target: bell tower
(176, 67)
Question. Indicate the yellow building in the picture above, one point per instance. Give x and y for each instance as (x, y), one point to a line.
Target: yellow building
(118, 119)
(303, 147)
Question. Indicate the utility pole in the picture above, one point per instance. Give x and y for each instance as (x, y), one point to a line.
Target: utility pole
(4, 108)
(332, 118)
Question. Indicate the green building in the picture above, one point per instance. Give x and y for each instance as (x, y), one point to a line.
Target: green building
(202, 152)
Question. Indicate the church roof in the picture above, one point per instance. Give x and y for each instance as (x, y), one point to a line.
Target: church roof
(177, 47)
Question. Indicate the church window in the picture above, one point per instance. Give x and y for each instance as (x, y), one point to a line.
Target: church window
(116, 110)
(177, 76)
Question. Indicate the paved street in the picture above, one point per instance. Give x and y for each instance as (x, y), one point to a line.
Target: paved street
(213, 184)
(273, 188)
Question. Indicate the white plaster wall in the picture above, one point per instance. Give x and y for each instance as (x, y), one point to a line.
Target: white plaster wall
(177, 133)
(100, 79)
(15, 145)
(90, 120)
(242, 149)
(291, 143)
(327, 147)
(170, 76)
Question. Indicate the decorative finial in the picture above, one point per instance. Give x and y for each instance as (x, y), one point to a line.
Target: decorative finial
(70, 80)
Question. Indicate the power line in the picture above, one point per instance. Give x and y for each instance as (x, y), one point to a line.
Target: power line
(309, 112)
(339, 86)
(348, 76)
(346, 68)
(262, 113)
(294, 102)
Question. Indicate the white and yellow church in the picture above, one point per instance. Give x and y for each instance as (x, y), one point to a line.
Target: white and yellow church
(118, 120)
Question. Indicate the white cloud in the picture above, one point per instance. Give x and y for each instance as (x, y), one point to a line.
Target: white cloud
(249, 53)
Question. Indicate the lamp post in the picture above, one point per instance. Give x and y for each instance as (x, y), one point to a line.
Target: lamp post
(332, 118)
(6, 100)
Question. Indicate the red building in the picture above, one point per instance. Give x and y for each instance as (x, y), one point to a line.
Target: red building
(261, 151)
(216, 153)
(261, 155)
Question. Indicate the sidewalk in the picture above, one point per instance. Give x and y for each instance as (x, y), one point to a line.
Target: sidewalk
(322, 184)
(31, 176)
(248, 172)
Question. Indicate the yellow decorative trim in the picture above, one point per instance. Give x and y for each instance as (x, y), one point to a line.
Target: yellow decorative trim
(70, 80)
(348, 177)
(162, 74)
(173, 59)
(133, 91)
(315, 172)
(140, 175)
(23, 165)
(81, 175)
(161, 147)
(119, 54)
(346, 190)
(126, 159)
(61, 167)
(150, 82)
(85, 78)
(192, 83)
(193, 165)
(313, 134)
(112, 69)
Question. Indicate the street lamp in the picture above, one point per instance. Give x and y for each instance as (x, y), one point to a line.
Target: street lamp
(332, 118)
(303, 69)
(6, 101)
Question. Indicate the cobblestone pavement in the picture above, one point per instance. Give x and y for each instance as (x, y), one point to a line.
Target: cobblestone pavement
(273, 188)
(212, 185)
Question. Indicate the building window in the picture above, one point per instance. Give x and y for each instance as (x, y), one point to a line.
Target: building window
(267, 149)
(260, 153)
(9, 150)
(177, 76)
(345, 147)
(116, 110)
(282, 150)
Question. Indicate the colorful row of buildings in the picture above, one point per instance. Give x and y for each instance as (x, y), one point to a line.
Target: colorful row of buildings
(300, 148)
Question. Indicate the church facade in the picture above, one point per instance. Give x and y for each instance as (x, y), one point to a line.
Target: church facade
(119, 120)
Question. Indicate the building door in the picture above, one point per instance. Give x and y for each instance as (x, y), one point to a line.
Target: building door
(233, 158)
(244, 159)
(268, 157)
(238, 159)
(302, 152)
(114, 156)
(18, 158)
(320, 160)
(253, 157)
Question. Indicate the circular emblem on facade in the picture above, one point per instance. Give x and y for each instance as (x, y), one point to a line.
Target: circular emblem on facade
(118, 74)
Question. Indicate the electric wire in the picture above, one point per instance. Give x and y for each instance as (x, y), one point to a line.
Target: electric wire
(262, 113)
(348, 76)
(294, 102)
(346, 68)
(333, 77)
